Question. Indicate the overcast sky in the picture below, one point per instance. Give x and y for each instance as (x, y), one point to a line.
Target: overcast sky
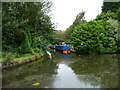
(65, 11)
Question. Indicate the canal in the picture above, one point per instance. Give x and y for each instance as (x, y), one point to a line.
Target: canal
(65, 71)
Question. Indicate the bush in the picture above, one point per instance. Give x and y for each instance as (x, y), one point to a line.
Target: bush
(90, 37)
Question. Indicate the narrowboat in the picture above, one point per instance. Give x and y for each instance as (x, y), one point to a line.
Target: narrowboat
(64, 48)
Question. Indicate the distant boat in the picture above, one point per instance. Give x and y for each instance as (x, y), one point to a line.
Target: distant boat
(64, 48)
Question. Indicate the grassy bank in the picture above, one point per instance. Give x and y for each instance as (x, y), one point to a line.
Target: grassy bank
(28, 32)
(14, 59)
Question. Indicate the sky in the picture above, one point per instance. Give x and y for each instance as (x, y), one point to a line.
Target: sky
(65, 11)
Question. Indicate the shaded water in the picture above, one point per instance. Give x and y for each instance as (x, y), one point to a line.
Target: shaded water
(65, 71)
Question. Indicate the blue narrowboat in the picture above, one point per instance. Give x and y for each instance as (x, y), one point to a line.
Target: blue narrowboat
(64, 48)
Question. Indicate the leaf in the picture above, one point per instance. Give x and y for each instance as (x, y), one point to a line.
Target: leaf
(36, 84)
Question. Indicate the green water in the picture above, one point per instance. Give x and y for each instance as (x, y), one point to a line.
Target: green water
(83, 71)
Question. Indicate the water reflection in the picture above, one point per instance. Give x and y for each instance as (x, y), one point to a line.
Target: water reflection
(66, 78)
(25, 76)
(103, 67)
(83, 71)
(66, 56)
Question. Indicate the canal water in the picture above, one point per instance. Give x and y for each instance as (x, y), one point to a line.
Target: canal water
(65, 71)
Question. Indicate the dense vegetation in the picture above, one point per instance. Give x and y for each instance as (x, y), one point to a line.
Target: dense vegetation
(100, 35)
(60, 36)
(112, 6)
(26, 28)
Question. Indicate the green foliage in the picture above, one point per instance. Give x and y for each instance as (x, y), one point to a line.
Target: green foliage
(113, 34)
(106, 16)
(90, 37)
(60, 35)
(113, 6)
(118, 32)
(100, 35)
(97, 36)
(26, 45)
(27, 27)
(24, 21)
(118, 14)
(8, 57)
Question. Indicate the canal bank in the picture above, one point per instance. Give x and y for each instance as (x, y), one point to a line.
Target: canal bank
(85, 71)
(22, 60)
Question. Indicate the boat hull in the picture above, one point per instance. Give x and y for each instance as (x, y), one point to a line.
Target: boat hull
(64, 48)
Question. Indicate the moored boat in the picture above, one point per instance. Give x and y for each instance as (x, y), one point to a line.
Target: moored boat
(64, 48)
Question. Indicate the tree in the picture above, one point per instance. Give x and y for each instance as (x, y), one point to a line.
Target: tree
(112, 6)
(25, 25)
(79, 20)
(118, 14)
